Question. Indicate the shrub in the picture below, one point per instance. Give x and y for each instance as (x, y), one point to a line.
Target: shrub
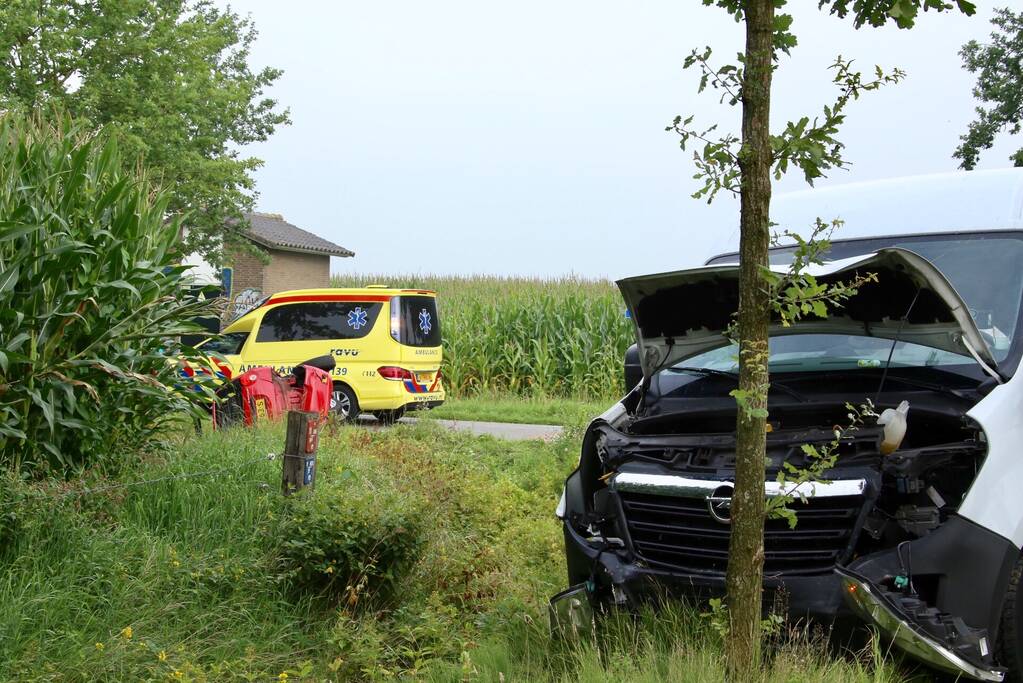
(349, 543)
(90, 300)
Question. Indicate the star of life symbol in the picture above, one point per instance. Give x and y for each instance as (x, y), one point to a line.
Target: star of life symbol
(357, 318)
(424, 321)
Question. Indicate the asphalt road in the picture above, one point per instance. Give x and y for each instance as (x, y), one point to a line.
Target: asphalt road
(501, 430)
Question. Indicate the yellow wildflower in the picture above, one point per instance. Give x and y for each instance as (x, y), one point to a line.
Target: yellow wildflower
(126, 632)
(329, 570)
(177, 674)
(162, 656)
(176, 563)
(99, 646)
(283, 676)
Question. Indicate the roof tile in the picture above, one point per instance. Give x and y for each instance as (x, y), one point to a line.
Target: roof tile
(271, 230)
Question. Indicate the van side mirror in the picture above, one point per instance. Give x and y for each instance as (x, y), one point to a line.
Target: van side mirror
(633, 370)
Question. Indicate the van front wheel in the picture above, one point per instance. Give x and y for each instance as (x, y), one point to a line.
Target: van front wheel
(343, 403)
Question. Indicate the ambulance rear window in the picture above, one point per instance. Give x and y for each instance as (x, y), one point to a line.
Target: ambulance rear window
(318, 321)
(414, 321)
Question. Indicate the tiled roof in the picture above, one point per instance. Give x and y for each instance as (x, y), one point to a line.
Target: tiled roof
(271, 230)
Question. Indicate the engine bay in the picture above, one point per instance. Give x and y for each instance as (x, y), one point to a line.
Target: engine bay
(910, 491)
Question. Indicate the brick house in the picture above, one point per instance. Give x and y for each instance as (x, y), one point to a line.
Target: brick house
(298, 259)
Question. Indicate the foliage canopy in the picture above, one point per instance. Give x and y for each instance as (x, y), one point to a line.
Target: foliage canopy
(999, 69)
(170, 78)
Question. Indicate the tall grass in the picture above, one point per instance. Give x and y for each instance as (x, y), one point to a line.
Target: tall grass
(90, 299)
(525, 336)
(182, 579)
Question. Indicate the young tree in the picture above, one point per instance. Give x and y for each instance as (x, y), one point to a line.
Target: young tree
(169, 77)
(744, 166)
(999, 69)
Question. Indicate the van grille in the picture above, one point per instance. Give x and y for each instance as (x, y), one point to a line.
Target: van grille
(680, 534)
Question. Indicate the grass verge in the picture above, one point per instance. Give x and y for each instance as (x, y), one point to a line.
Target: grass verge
(497, 408)
(422, 553)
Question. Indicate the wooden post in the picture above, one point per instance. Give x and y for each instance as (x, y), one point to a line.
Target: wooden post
(300, 444)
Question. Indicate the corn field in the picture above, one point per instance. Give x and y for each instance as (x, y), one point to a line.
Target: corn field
(539, 337)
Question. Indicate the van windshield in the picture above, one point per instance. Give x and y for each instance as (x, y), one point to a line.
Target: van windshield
(983, 268)
(810, 352)
(225, 344)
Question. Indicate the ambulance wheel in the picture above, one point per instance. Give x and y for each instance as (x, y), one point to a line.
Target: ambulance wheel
(389, 417)
(343, 403)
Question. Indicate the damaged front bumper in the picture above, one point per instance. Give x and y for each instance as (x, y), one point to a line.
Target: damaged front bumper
(885, 610)
(621, 580)
(845, 597)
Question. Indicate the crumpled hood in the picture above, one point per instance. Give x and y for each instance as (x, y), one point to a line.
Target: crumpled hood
(681, 314)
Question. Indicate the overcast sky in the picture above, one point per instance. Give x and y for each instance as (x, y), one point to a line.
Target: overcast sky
(528, 138)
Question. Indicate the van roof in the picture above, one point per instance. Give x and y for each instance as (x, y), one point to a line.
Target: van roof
(939, 202)
(960, 201)
(243, 322)
(316, 294)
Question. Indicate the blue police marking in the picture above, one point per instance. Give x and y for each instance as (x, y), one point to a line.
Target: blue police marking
(357, 318)
(424, 321)
(307, 473)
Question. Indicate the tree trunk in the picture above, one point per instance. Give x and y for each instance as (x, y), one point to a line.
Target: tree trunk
(746, 548)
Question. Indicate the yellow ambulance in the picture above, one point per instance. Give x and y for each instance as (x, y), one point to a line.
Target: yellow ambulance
(385, 342)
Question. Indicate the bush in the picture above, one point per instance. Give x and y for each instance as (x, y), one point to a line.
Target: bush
(350, 544)
(90, 301)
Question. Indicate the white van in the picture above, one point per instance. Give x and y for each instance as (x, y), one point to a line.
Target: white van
(924, 543)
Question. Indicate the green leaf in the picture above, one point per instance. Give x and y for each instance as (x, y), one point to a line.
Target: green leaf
(16, 342)
(121, 284)
(788, 515)
(12, 432)
(45, 406)
(12, 231)
(9, 278)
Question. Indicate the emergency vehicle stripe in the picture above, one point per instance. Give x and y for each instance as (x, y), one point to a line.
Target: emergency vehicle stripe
(325, 297)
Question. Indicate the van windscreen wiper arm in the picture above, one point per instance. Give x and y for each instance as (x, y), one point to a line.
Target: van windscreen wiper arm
(710, 372)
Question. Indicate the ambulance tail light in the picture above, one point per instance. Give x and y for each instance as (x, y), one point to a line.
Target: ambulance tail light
(394, 373)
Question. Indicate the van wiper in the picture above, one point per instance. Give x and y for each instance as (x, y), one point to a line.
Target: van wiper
(734, 376)
(923, 384)
(710, 372)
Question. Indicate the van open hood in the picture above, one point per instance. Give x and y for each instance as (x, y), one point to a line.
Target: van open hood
(681, 314)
